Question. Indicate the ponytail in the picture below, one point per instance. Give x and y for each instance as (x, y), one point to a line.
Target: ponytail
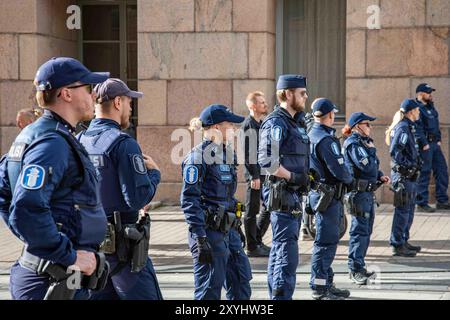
(399, 115)
(346, 131)
(195, 125)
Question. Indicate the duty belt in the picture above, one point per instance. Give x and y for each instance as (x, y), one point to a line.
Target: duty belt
(361, 185)
(220, 220)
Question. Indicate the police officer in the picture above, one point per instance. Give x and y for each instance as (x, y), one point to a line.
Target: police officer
(405, 165)
(52, 186)
(211, 211)
(129, 181)
(429, 139)
(326, 201)
(361, 158)
(284, 158)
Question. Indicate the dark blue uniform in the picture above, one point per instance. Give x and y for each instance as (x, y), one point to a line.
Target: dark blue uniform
(428, 132)
(43, 189)
(404, 153)
(127, 186)
(328, 162)
(210, 185)
(283, 141)
(364, 164)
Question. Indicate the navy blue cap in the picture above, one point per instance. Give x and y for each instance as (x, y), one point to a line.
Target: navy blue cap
(357, 117)
(291, 81)
(424, 87)
(322, 106)
(408, 105)
(217, 113)
(112, 88)
(61, 71)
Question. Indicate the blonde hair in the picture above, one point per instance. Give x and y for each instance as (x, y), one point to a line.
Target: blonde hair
(281, 95)
(46, 98)
(195, 125)
(398, 116)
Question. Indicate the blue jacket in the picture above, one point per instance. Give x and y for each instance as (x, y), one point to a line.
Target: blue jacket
(127, 186)
(361, 159)
(404, 150)
(283, 140)
(55, 183)
(326, 157)
(209, 181)
(428, 123)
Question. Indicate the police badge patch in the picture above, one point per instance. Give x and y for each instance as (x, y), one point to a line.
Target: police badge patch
(404, 138)
(33, 177)
(335, 149)
(190, 174)
(139, 164)
(276, 133)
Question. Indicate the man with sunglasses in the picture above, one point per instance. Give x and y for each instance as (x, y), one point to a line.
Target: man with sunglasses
(283, 155)
(129, 181)
(429, 138)
(49, 196)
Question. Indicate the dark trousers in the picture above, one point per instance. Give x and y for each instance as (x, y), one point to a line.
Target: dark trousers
(255, 228)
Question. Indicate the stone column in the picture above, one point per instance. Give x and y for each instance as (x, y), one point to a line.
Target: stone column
(384, 66)
(32, 31)
(192, 53)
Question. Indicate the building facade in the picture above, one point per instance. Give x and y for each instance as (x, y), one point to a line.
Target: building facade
(366, 55)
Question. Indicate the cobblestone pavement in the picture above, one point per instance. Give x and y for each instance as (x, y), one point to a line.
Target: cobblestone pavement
(426, 276)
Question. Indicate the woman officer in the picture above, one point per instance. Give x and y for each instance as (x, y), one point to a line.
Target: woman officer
(209, 206)
(361, 158)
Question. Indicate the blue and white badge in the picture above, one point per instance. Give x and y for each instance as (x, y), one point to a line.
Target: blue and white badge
(226, 177)
(139, 164)
(225, 168)
(276, 133)
(191, 174)
(33, 177)
(335, 149)
(362, 152)
(404, 138)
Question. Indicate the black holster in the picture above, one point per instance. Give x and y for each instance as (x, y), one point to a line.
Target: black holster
(327, 193)
(401, 196)
(139, 237)
(221, 220)
(61, 290)
(276, 192)
(352, 206)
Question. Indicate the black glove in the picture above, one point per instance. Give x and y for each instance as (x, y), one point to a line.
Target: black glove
(299, 179)
(204, 251)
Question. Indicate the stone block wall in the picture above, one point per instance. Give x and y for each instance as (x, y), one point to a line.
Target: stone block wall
(32, 31)
(192, 53)
(384, 66)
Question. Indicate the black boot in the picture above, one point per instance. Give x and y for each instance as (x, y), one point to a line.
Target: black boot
(403, 251)
(443, 206)
(359, 278)
(413, 248)
(258, 252)
(325, 295)
(344, 293)
(425, 208)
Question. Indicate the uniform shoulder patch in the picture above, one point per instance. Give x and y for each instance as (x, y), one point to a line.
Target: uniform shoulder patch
(33, 177)
(276, 133)
(138, 164)
(16, 151)
(190, 174)
(404, 138)
(335, 149)
(362, 152)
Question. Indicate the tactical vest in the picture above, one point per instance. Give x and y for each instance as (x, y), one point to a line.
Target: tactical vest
(98, 144)
(79, 210)
(371, 156)
(294, 151)
(316, 135)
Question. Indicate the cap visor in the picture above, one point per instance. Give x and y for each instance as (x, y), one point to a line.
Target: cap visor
(135, 94)
(95, 77)
(370, 118)
(235, 119)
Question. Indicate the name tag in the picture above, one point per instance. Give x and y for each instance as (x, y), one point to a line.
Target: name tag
(16, 151)
(224, 168)
(226, 177)
(97, 160)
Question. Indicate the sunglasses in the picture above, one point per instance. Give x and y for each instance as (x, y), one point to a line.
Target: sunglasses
(89, 86)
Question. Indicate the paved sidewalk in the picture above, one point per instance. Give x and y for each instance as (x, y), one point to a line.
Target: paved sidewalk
(426, 276)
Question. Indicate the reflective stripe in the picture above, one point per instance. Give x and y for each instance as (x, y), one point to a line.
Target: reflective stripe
(320, 282)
